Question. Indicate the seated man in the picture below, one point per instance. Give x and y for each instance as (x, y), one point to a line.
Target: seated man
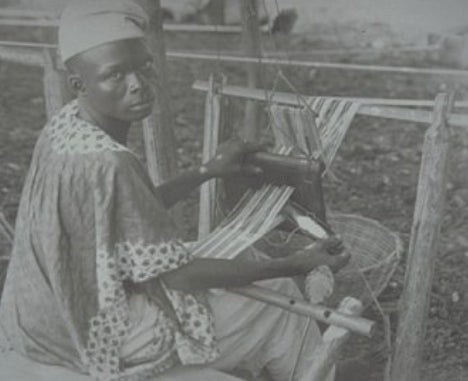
(99, 283)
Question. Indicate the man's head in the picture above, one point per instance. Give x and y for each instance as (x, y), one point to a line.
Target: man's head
(110, 68)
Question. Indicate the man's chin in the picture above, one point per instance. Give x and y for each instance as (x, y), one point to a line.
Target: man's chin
(137, 115)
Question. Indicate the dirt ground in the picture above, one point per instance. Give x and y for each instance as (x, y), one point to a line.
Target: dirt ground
(377, 171)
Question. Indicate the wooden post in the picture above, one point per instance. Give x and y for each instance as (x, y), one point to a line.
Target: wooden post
(55, 86)
(216, 11)
(334, 338)
(428, 215)
(206, 214)
(252, 48)
(158, 127)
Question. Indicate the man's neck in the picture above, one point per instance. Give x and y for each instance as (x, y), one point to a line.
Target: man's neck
(116, 129)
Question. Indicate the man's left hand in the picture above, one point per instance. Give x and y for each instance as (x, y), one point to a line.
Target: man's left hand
(230, 159)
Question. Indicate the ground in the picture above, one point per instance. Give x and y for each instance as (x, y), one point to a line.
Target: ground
(377, 170)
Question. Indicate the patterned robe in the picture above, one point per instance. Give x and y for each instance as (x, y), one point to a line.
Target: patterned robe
(89, 228)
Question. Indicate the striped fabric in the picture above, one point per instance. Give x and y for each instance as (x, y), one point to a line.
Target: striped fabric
(316, 130)
(254, 216)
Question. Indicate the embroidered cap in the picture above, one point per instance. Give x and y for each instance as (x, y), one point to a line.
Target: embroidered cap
(86, 24)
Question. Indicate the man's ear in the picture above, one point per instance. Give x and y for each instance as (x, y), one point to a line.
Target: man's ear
(76, 84)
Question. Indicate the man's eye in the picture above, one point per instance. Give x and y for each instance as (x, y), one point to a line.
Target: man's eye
(147, 66)
(116, 75)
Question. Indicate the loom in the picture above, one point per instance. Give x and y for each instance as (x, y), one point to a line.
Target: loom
(259, 210)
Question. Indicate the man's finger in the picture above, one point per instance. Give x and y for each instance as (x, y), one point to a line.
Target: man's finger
(252, 147)
(252, 170)
(340, 261)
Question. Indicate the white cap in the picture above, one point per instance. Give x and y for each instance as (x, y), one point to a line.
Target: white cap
(86, 24)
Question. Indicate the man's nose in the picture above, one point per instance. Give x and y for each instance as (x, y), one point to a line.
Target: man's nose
(135, 82)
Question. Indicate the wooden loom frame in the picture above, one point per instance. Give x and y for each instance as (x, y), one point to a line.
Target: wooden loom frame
(428, 214)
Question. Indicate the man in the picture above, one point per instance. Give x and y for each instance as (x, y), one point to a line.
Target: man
(98, 282)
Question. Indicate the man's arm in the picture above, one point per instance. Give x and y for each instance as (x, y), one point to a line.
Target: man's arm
(204, 273)
(178, 188)
(228, 161)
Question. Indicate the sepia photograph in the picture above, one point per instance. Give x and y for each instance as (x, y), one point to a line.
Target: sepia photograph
(233, 190)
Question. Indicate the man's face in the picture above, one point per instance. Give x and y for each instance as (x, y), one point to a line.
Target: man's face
(118, 79)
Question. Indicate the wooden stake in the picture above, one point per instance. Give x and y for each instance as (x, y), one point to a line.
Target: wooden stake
(55, 87)
(252, 48)
(158, 128)
(428, 215)
(327, 354)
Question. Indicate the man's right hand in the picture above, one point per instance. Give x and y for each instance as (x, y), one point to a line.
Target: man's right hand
(329, 252)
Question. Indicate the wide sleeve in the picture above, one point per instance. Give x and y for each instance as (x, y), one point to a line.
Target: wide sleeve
(136, 241)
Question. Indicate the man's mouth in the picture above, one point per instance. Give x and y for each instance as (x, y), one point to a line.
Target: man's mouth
(143, 105)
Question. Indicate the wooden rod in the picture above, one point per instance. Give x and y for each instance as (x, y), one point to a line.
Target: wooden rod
(288, 54)
(317, 65)
(188, 28)
(369, 106)
(409, 115)
(27, 44)
(207, 28)
(355, 324)
(428, 216)
(294, 100)
(22, 56)
(29, 23)
(274, 54)
(11, 12)
(279, 62)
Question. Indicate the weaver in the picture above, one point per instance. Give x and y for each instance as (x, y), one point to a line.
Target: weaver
(99, 285)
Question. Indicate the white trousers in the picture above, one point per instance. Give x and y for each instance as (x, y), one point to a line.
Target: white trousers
(253, 335)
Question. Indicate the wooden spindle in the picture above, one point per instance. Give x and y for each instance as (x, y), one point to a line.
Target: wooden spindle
(355, 324)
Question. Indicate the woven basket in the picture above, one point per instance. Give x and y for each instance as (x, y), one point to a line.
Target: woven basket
(375, 253)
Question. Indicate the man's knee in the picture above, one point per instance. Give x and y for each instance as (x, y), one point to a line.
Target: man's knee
(285, 286)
